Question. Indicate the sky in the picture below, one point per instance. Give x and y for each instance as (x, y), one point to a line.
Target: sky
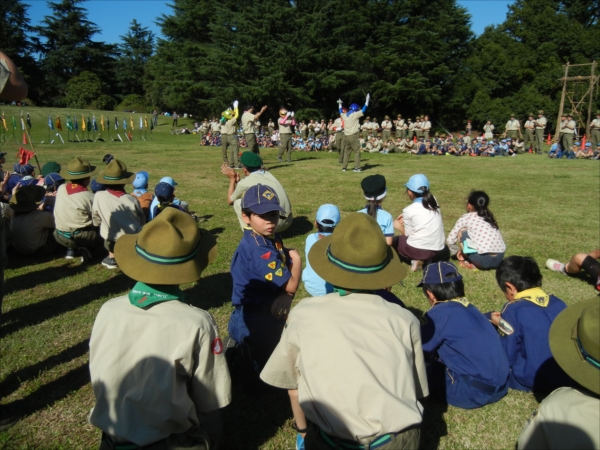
(113, 17)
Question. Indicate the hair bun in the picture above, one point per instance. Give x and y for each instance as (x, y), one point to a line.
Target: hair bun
(481, 201)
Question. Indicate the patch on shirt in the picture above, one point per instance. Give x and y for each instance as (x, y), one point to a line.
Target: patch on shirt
(279, 272)
(266, 255)
(268, 195)
(272, 264)
(217, 346)
(505, 328)
(269, 276)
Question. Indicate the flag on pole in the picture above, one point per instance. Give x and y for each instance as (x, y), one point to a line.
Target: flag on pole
(124, 124)
(145, 122)
(116, 123)
(76, 124)
(28, 121)
(58, 123)
(14, 122)
(107, 123)
(89, 124)
(94, 124)
(24, 138)
(151, 125)
(82, 123)
(4, 122)
(102, 122)
(69, 122)
(22, 124)
(24, 156)
(50, 124)
(141, 123)
(131, 122)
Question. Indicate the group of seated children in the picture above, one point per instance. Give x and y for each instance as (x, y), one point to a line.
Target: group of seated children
(575, 152)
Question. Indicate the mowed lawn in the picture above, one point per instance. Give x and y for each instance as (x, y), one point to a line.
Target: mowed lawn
(545, 208)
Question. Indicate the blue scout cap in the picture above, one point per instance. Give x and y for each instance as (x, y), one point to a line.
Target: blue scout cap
(164, 190)
(416, 182)
(3, 154)
(169, 180)
(440, 272)
(95, 186)
(329, 213)
(261, 199)
(52, 179)
(141, 180)
(588, 144)
(26, 169)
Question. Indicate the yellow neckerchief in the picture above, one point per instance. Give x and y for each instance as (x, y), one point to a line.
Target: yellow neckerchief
(462, 300)
(535, 295)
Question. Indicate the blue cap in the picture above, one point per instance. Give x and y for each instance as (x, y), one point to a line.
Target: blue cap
(261, 199)
(330, 213)
(141, 180)
(95, 186)
(26, 169)
(588, 144)
(164, 190)
(440, 272)
(416, 182)
(169, 180)
(576, 143)
(53, 179)
(17, 168)
(354, 107)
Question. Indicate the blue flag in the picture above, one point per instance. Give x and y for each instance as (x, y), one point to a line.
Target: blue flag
(50, 124)
(76, 124)
(94, 124)
(116, 123)
(124, 124)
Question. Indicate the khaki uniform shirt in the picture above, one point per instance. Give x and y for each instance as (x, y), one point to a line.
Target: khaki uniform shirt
(357, 362)
(566, 419)
(365, 126)
(285, 129)
(386, 125)
(248, 122)
(73, 212)
(426, 125)
(264, 178)
(154, 370)
(117, 216)
(569, 127)
(411, 126)
(352, 123)
(337, 125)
(374, 126)
(30, 231)
(595, 124)
(529, 125)
(513, 125)
(541, 123)
(215, 126)
(230, 127)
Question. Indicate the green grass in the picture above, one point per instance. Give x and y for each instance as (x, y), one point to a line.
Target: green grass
(545, 208)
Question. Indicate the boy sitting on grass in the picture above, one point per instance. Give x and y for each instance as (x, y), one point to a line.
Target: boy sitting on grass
(524, 324)
(468, 367)
(265, 279)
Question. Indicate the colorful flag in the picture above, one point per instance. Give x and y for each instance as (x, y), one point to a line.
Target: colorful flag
(14, 122)
(82, 123)
(4, 122)
(69, 122)
(50, 124)
(124, 124)
(141, 123)
(102, 122)
(24, 156)
(22, 124)
(131, 122)
(145, 122)
(58, 123)
(89, 124)
(76, 124)
(94, 124)
(28, 121)
(151, 125)
(116, 123)
(107, 123)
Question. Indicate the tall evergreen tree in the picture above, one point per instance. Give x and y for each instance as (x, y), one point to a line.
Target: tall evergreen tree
(66, 49)
(134, 51)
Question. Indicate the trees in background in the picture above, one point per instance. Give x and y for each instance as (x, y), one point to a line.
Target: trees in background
(134, 51)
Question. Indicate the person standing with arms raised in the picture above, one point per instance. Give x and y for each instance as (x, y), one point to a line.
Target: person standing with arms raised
(248, 119)
(351, 129)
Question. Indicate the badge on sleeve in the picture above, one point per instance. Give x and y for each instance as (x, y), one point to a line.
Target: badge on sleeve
(217, 346)
(272, 264)
(269, 276)
(279, 273)
(505, 327)
(266, 255)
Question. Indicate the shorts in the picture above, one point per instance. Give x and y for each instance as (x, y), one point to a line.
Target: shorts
(591, 266)
(407, 253)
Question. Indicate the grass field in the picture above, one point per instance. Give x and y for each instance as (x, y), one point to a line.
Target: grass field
(545, 208)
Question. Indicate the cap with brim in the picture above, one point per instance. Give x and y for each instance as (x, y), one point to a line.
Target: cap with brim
(170, 249)
(251, 160)
(3, 154)
(115, 173)
(574, 342)
(328, 215)
(169, 180)
(52, 179)
(27, 198)
(50, 167)
(416, 182)
(164, 190)
(440, 273)
(356, 256)
(261, 199)
(141, 180)
(78, 169)
(541, 111)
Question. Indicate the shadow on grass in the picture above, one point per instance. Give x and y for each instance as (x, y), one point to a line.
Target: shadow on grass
(212, 291)
(434, 426)
(18, 261)
(41, 311)
(216, 231)
(369, 166)
(47, 275)
(300, 226)
(15, 379)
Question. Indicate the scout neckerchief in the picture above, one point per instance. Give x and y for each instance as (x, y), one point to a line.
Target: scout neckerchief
(116, 193)
(535, 295)
(74, 188)
(143, 295)
(344, 292)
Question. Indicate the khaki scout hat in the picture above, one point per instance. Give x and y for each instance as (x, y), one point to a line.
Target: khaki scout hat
(387, 117)
(574, 342)
(27, 198)
(79, 168)
(170, 249)
(356, 256)
(115, 173)
(541, 111)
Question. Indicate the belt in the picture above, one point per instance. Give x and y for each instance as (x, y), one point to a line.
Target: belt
(68, 234)
(120, 445)
(484, 387)
(377, 442)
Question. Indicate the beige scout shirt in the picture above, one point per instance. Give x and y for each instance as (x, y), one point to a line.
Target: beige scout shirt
(215, 126)
(155, 370)
(30, 231)
(352, 123)
(513, 125)
(337, 125)
(229, 127)
(529, 125)
(540, 123)
(386, 125)
(357, 363)
(248, 123)
(566, 419)
(569, 127)
(73, 212)
(117, 216)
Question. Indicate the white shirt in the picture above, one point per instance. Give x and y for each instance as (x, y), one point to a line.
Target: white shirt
(424, 228)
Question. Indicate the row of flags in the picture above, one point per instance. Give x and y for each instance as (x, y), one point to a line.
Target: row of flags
(89, 124)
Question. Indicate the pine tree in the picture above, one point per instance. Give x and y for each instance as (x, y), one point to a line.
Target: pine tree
(134, 52)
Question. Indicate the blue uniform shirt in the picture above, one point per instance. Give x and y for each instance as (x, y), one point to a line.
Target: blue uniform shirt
(465, 341)
(527, 347)
(313, 283)
(258, 268)
(385, 221)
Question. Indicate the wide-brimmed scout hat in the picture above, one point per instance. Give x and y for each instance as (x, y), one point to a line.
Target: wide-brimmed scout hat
(115, 173)
(79, 168)
(356, 256)
(574, 342)
(27, 198)
(170, 249)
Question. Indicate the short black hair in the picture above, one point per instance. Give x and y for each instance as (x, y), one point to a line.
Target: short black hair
(247, 211)
(324, 228)
(445, 291)
(520, 271)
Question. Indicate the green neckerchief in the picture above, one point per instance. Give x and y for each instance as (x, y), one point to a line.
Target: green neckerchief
(143, 295)
(535, 295)
(344, 292)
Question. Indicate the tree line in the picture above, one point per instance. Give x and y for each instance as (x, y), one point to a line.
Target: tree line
(412, 56)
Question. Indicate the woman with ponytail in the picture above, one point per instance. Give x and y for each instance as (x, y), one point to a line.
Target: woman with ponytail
(421, 226)
(375, 191)
(476, 239)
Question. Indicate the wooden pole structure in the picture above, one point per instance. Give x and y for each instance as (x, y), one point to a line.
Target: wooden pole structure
(562, 104)
(593, 79)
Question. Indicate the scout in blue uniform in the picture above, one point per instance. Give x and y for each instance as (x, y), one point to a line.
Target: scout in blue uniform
(265, 278)
(467, 365)
(524, 324)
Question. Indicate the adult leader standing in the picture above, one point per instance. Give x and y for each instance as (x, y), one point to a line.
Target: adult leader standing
(248, 120)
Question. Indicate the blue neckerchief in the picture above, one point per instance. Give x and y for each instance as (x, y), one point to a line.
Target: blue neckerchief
(418, 199)
(262, 172)
(140, 191)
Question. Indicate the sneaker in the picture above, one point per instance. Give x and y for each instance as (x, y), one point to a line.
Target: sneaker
(343, 170)
(110, 263)
(86, 255)
(279, 159)
(358, 169)
(299, 442)
(70, 253)
(555, 266)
